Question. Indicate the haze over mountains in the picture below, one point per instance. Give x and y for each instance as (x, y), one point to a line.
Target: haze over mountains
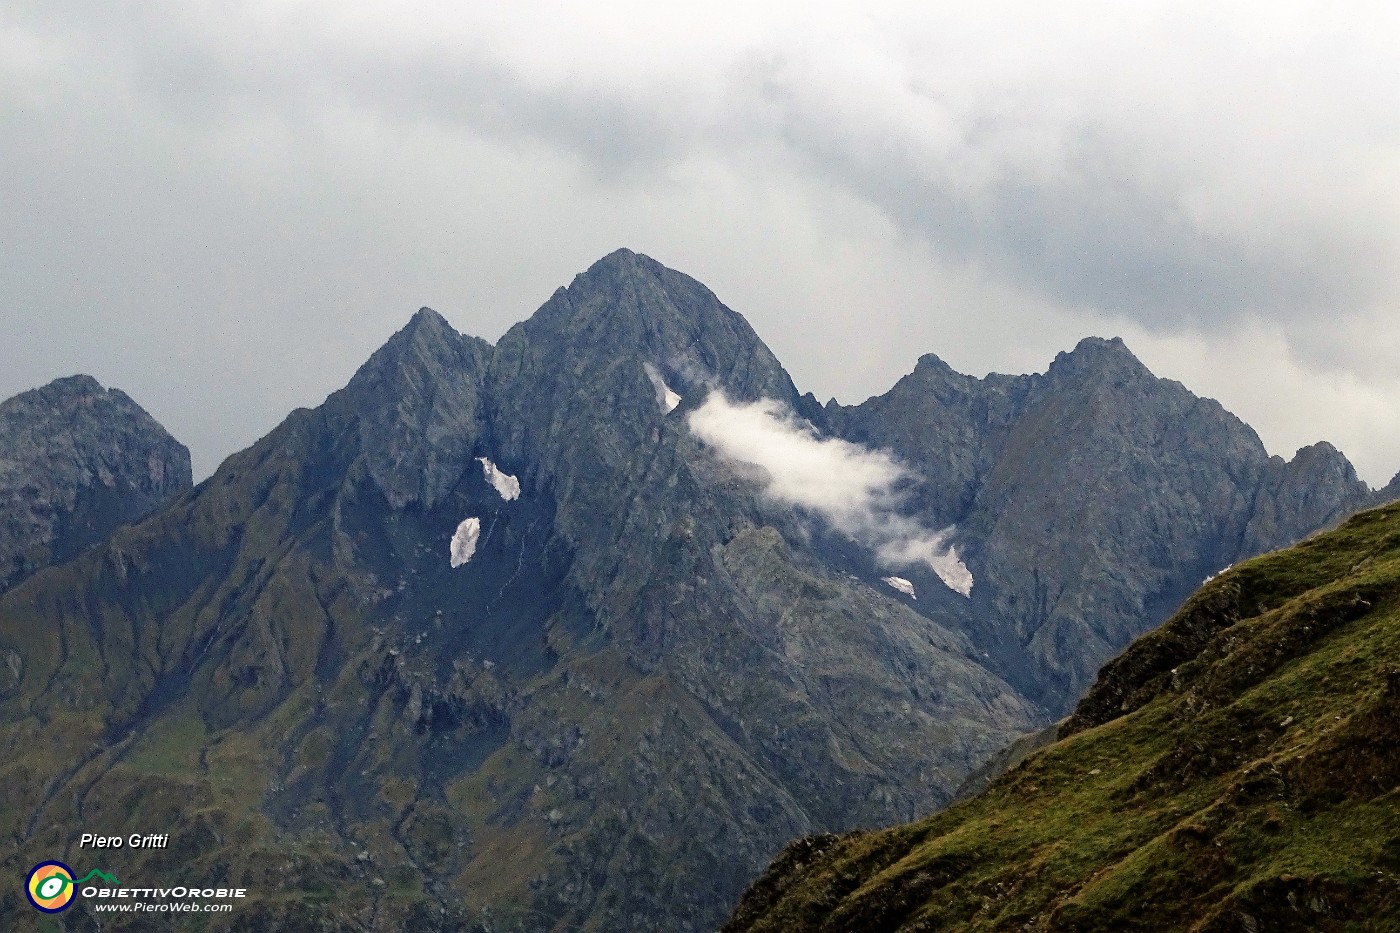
(532, 636)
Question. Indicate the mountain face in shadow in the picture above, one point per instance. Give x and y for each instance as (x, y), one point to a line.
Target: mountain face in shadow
(76, 462)
(493, 640)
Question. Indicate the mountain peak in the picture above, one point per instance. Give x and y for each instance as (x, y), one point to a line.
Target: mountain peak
(1105, 348)
(624, 268)
(417, 398)
(76, 462)
(80, 384)
(1099, 356)
(629, 304)
(427, 339)
(426, 314)
(1316, 460)
(621, 257)
(933, 363)
(71, 393)
(428, 323)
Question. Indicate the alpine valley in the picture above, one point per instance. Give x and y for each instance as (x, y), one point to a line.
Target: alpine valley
(517, 637)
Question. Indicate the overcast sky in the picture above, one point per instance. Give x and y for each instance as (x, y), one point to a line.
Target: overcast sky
(223, 207)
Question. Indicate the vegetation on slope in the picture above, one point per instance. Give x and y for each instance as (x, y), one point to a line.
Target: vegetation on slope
(1237, 769)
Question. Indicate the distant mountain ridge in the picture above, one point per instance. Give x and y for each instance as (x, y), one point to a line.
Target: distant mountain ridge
(645, 675)
(77, 461)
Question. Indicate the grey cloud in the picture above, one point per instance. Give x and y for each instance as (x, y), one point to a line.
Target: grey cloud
(1099, 224)
(1078, 204)
(269, 189)
(1103, 223)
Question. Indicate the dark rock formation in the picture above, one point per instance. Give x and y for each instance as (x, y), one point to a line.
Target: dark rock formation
(76, 462)
(419, 407)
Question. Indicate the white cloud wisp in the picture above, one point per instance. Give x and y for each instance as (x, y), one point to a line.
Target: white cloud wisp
(853, 488)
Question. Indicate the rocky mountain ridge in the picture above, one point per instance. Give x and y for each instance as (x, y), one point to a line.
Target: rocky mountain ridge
(646, 673)
(1098, 495)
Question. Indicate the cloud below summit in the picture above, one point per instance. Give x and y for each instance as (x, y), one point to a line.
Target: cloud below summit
(855, 489)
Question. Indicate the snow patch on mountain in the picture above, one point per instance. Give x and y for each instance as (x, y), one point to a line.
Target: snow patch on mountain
(666, 397)
(903, 585)
(464, 541)
(930, 548)
(505, 484)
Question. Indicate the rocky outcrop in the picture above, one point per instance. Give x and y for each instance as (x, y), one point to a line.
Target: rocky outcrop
(419, 409)
(76, 462)
(1316, 489)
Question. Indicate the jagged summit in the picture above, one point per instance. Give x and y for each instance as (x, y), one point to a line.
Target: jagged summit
(427, 320)
(1325, 454)
(67, 390)
(620, 259)
(627, 310)
(1092, 357)
(424, 351)
(79, 384)
(631, 294)
(1105, 345)
(419, 408)
(426, 334)
(932, 363)
(624, 263)
(1099, 357)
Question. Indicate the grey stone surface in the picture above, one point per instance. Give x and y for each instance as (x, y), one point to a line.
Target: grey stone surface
(77, 461)
(418, 401)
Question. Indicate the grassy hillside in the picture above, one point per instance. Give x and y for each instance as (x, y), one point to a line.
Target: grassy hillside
(1237, 769)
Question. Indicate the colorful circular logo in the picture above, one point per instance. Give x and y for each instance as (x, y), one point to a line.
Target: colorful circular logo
(50, 887)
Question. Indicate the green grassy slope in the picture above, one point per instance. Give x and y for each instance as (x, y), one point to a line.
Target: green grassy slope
(1237, 769)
